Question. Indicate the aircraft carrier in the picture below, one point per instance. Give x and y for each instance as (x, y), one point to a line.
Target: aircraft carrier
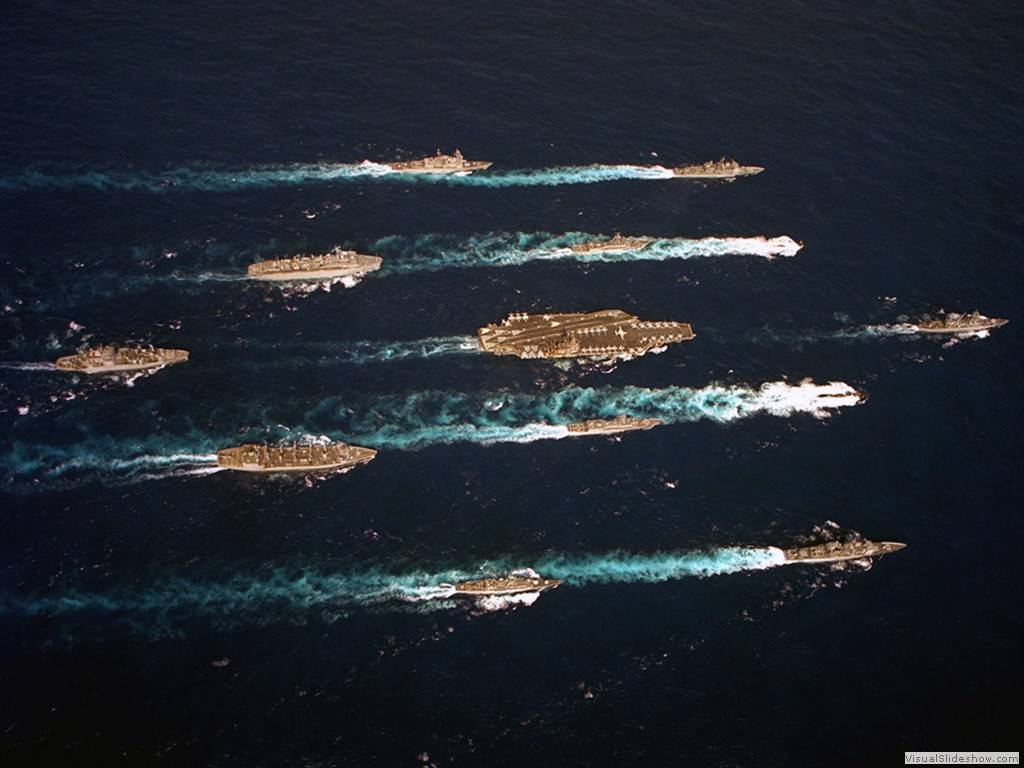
(117, 359)
(603, 335)
(440, 164)
(955, 322)
(509, 585)
(333, 264)
(621, 423)
(834, 551)
(716, 169)
(616, 244)
(293, 458)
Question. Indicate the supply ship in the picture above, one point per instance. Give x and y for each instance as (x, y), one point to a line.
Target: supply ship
(509, 585)
(716, 169)
(616, 244)
(117, 359)
(293, 458)
(955, 322)
(325, 266)
(834, 551)
(603, 335)
(621, 423)
(440, 164)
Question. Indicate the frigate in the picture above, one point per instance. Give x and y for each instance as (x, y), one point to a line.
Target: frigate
(716, 169)
(325, 266)
(834, 551)
(440, 163)
(117, 359)
(293, 458)
(956, 322)
(616, 244)
(602, 335)
(508, 585)
(620, 423)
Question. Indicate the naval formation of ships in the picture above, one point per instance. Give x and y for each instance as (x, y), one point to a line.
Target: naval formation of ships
(602, 335)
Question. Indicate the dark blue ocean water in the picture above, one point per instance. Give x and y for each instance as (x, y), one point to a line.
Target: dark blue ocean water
(154, 612)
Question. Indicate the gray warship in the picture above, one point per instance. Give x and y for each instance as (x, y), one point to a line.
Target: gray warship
(716, 169)
(621, 423)
(325, 266)
(117, 359)
(293, 458)
(603, 335)
(508, 585)
(956, 322)
(440, 164)
(834, 551)
(616, 244)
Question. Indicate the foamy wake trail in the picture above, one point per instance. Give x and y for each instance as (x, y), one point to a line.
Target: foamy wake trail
(421, 419)
(287, 595)
(380, 351)
(859, 333)
(508, 249)
(16, 366)
(226, 180)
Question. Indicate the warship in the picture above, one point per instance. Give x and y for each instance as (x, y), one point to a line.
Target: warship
(834, 551)
(325, 266)
(716, 169)
(509, 585)
(617, 244)
(293, 458)
(117, 359)
(955, 322)
(440, 164)
(603, 335)
(621, 423)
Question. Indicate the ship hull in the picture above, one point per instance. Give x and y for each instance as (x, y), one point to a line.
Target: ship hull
(78, 364)
(334, 265)
(963, 329)
(750, 170)
(497, 587)
(313, 274)
(262, 460)
(834, 552)
(468, 167)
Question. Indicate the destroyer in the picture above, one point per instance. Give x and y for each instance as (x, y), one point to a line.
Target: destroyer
(620, 423)
(117, 359)
(834, 551)
(616, 244)
(955, 322)
(293, 458)
(603, 335)
(440, 164)
(325, 266)
(716, 169)
(509, 585)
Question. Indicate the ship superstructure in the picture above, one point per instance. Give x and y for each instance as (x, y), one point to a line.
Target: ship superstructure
(620, 423)
(296, 457)
(615, 244)
(333, 264)
(956, 322)
(604, 335)
(440, 163)
(834, 551)
(112, 359)
(716, 169)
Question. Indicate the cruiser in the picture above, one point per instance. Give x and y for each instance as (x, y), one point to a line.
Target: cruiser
(326, 266)
(118, 359)
(616, 244)
(603, 335)
(834, 551)
(621, 423)
(440, 164)
(293, 458)
(716, 169)
(954, 322)
(510, 585)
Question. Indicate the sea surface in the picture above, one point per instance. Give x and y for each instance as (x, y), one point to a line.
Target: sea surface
(156, 611)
